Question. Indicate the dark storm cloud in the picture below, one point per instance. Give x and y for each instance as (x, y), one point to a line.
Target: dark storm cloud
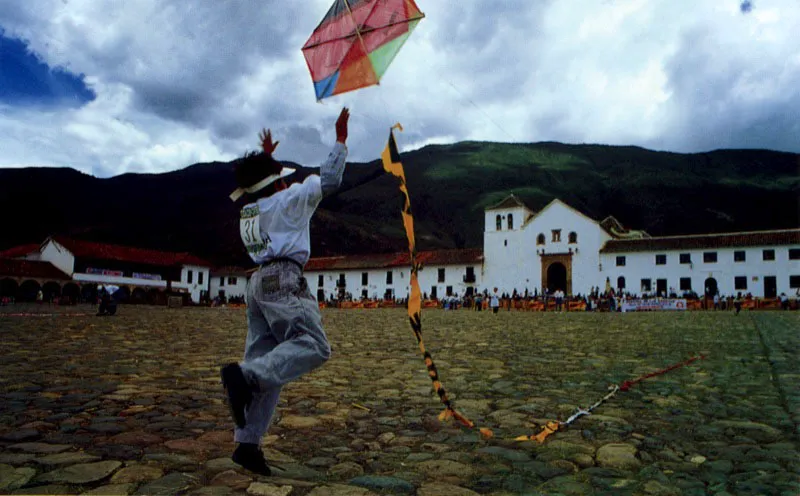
(179, 82)
(723, 99)
(211, 46)
(172, 101)
(491, 50)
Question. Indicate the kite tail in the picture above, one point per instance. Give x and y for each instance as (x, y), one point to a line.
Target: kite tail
(393, 165)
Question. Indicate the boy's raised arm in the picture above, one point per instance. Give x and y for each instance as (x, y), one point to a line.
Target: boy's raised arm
(332, 170)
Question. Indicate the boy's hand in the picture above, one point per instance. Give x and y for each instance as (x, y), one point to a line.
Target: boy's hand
(266, 142)
(341, 126)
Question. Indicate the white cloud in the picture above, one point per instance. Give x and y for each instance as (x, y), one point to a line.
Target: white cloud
(180, 82)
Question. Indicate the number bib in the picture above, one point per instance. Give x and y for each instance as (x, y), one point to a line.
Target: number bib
(255, 242)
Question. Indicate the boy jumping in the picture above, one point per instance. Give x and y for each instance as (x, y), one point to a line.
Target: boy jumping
(285, 337)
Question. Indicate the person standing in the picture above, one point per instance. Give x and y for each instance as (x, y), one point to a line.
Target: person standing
(495, 302)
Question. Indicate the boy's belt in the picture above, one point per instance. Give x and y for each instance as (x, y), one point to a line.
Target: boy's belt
(283, 259)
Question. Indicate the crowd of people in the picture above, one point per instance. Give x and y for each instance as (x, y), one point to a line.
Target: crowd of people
(597, 300)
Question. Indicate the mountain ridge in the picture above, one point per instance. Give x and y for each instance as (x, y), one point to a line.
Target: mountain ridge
(661, 192)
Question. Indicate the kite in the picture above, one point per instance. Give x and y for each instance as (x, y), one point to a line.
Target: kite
(356, 42)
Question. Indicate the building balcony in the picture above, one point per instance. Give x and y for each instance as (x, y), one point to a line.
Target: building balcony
(469, 278)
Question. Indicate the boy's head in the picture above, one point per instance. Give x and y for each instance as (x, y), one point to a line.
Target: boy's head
(258, 175)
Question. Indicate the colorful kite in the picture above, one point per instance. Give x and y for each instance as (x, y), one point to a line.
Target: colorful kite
(356, 42)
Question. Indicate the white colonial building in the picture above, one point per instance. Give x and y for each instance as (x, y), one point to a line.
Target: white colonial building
(764, 264)
(386, 276)
(559, 247)
(139, 273)
(229, 282)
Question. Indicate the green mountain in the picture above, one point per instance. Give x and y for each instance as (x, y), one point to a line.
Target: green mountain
(450, 185)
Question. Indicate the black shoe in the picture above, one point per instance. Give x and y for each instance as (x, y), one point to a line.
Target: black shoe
(249, 456)
(238, 391)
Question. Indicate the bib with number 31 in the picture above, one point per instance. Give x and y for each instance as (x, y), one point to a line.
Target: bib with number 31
(250, 231)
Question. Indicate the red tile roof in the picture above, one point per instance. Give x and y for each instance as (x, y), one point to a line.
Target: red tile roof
(104, 251)
(511, 201)
(380, 261)
(704, 241)
(19, 251)
(10, 267)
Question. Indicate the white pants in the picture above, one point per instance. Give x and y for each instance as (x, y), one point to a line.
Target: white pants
(285, 340)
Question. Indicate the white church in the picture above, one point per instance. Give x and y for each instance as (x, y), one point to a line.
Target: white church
(558, 247)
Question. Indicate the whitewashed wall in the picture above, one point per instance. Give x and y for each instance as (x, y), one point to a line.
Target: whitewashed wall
(195, 286)
(377, 286)
(507, 256)
(59, 256)
(640, 266)
(222, 281)
(517, 264)
(117, 280)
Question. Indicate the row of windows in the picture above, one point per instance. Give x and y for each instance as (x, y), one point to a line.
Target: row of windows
(499, 222)
(711, 257)
(685, 284)
(469, 277)
(190, 277)
(573, 237)
(540, 239)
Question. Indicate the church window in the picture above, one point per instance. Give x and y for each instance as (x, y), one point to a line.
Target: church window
(540, 239)
(499, 223)
(573, 237)
(556, 235)
(510, 221)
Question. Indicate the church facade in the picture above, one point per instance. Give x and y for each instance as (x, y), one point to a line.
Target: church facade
(561, 248)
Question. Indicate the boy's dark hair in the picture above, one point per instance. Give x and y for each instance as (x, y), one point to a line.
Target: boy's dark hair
(254, 167)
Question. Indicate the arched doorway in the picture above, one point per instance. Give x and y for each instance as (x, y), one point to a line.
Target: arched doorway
(28, 290)
(138, 296)
(123, 294)
(89, 293)
(557, 277)
(72, 292)
(51, 290)
(8, 288)
(711, 287)
(152, 296)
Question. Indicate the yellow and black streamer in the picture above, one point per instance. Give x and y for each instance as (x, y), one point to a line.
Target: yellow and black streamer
(392, 164)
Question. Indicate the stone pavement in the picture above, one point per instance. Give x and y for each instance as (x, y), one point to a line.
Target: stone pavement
(132, 404)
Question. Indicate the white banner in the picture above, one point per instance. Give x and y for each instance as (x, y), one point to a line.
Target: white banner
(103, 272)
(655, 305)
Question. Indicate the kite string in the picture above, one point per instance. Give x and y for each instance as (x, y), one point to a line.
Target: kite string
(485, 114)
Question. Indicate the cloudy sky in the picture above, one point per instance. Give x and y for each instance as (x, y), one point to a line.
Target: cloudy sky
(108, 87)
